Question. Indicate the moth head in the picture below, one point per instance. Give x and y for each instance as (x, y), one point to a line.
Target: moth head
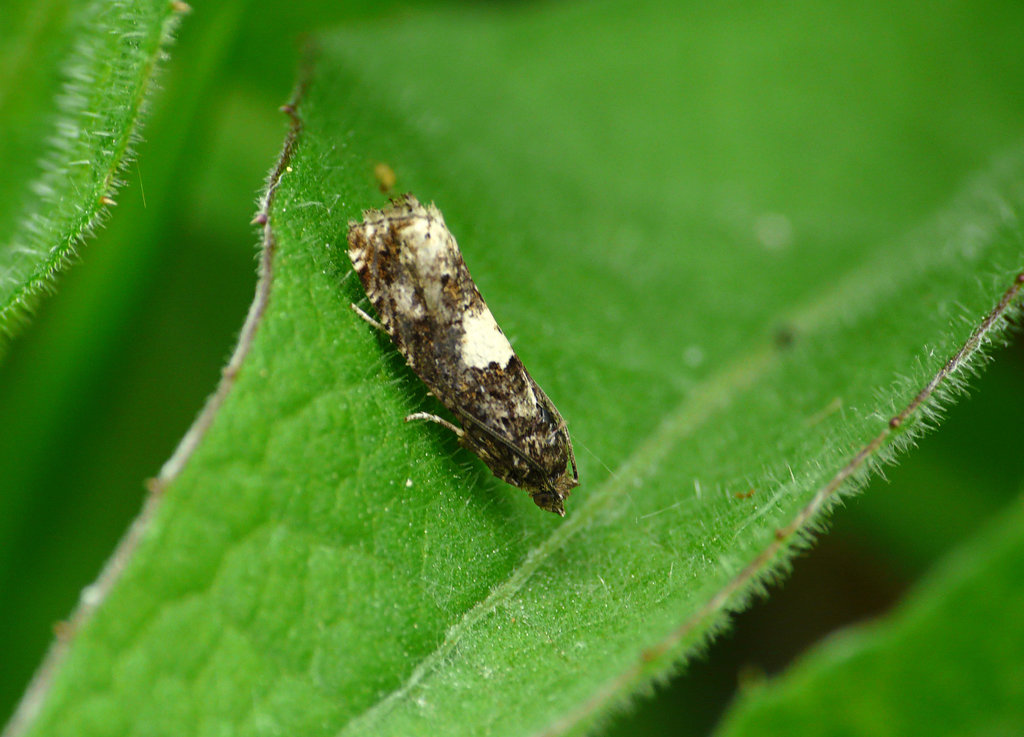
(553, 497)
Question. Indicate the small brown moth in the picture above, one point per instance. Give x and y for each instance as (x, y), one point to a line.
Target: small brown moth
(416, 280)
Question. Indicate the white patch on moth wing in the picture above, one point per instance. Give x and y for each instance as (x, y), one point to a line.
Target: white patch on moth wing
(356, 256)
(482, 341)
(533, 396)
(357, 253)
(406, 301)
(429, 252)
(432, 212)
(430, 241)
(368, 228)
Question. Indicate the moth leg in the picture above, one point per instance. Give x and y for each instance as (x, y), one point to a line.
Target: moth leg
(368, 319)
(459, 432)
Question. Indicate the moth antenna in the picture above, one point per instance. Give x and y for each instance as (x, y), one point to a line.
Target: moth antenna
(497, 438)
(594, 456)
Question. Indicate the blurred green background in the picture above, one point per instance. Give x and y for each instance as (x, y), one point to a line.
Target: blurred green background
(113, 367)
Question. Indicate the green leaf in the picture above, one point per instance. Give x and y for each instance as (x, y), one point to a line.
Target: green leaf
(728, 289)
(948, 661)
(109, 52)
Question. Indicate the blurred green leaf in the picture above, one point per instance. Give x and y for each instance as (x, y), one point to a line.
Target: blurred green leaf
(702, 231)
(948, 661)
(113, 52)
(108, 374)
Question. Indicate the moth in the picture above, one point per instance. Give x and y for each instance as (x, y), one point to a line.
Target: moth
(416, 280)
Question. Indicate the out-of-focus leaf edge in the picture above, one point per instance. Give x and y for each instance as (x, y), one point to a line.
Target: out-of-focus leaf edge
(96, 204)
